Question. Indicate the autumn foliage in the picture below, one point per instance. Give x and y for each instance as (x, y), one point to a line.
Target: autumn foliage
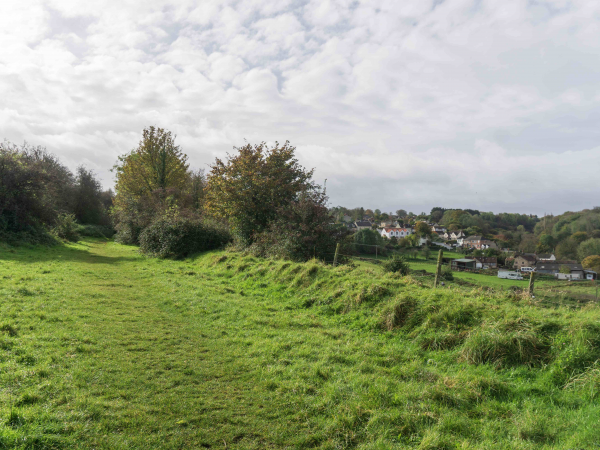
(249, 188)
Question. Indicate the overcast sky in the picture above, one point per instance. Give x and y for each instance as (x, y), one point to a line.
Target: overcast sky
(490, 105)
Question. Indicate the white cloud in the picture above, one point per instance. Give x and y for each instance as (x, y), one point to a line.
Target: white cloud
(483, 104)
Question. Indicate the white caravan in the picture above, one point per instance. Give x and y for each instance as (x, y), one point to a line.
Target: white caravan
(510, 275)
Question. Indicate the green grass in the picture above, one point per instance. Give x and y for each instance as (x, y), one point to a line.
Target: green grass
(102, 348)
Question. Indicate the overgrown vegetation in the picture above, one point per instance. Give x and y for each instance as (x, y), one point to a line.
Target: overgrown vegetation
(178, 237)
(38, 193)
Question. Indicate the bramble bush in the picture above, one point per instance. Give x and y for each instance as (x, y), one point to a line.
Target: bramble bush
(178, 237)
(396, 264)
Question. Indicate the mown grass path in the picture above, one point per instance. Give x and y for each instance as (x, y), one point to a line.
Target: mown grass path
(101, 348)
(115, 359)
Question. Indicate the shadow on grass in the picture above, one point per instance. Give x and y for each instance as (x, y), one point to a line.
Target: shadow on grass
(40, 253)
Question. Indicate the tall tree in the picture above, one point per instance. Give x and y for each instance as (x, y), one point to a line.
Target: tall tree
(588, 248)
(156, 164)
(150, 179)
(422, 229)
(87, 204)
(250, 186)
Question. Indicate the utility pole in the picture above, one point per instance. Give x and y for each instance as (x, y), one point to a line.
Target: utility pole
(438, 270)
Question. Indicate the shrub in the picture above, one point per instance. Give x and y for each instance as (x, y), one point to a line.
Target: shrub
(397, 264)
(447, 274)
(66, 227)
(178, 237)
(302, 231)
(98, 231)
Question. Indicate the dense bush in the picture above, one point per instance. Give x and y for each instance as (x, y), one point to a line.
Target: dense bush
(302, 231)
(37, 192)
(177, 237)
(396, 264)
(66, 227)
(29, 177)
(447, 273)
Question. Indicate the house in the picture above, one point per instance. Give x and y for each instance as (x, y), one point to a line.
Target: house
(362, 224)
(439, 234)
(524, 260)
(352, 226)
(554, 268)
(485, 263)
(454, 235)
(462, 264)
(545, 257)
(347, 218)
(478, 242)
(437, 229)
(396, 232)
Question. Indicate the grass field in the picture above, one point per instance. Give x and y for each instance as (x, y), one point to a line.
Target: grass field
(101, 348)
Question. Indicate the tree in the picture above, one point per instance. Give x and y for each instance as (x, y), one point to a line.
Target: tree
(592, 262)
(401, 213)
(249, 187)
(564, 269)
(436, 216)
(366, 240)
(546, 242)
(567, 249)
(422, 229)
(34, 188)
(151, 179)
(425, 251)
(156, 164)
(579, 237)
(301, 231)
(587, 248)
(88, 206)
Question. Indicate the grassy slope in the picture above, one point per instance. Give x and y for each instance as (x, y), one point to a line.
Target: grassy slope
(101, 348)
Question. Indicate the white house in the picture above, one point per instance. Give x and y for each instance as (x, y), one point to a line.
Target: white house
(454, 235)
(545, 257)
(396, 232)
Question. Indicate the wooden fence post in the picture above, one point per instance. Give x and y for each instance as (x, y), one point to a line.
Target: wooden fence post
(337, 250)
(438, 270)
(531, 283)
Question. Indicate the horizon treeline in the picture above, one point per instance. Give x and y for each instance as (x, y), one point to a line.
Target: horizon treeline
(259, 197)
(571, 236)
(39, 193)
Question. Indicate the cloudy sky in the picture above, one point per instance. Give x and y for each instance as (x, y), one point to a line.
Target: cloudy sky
(488, 104)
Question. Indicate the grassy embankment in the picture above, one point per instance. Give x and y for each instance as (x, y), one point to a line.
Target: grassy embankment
(102, 348)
